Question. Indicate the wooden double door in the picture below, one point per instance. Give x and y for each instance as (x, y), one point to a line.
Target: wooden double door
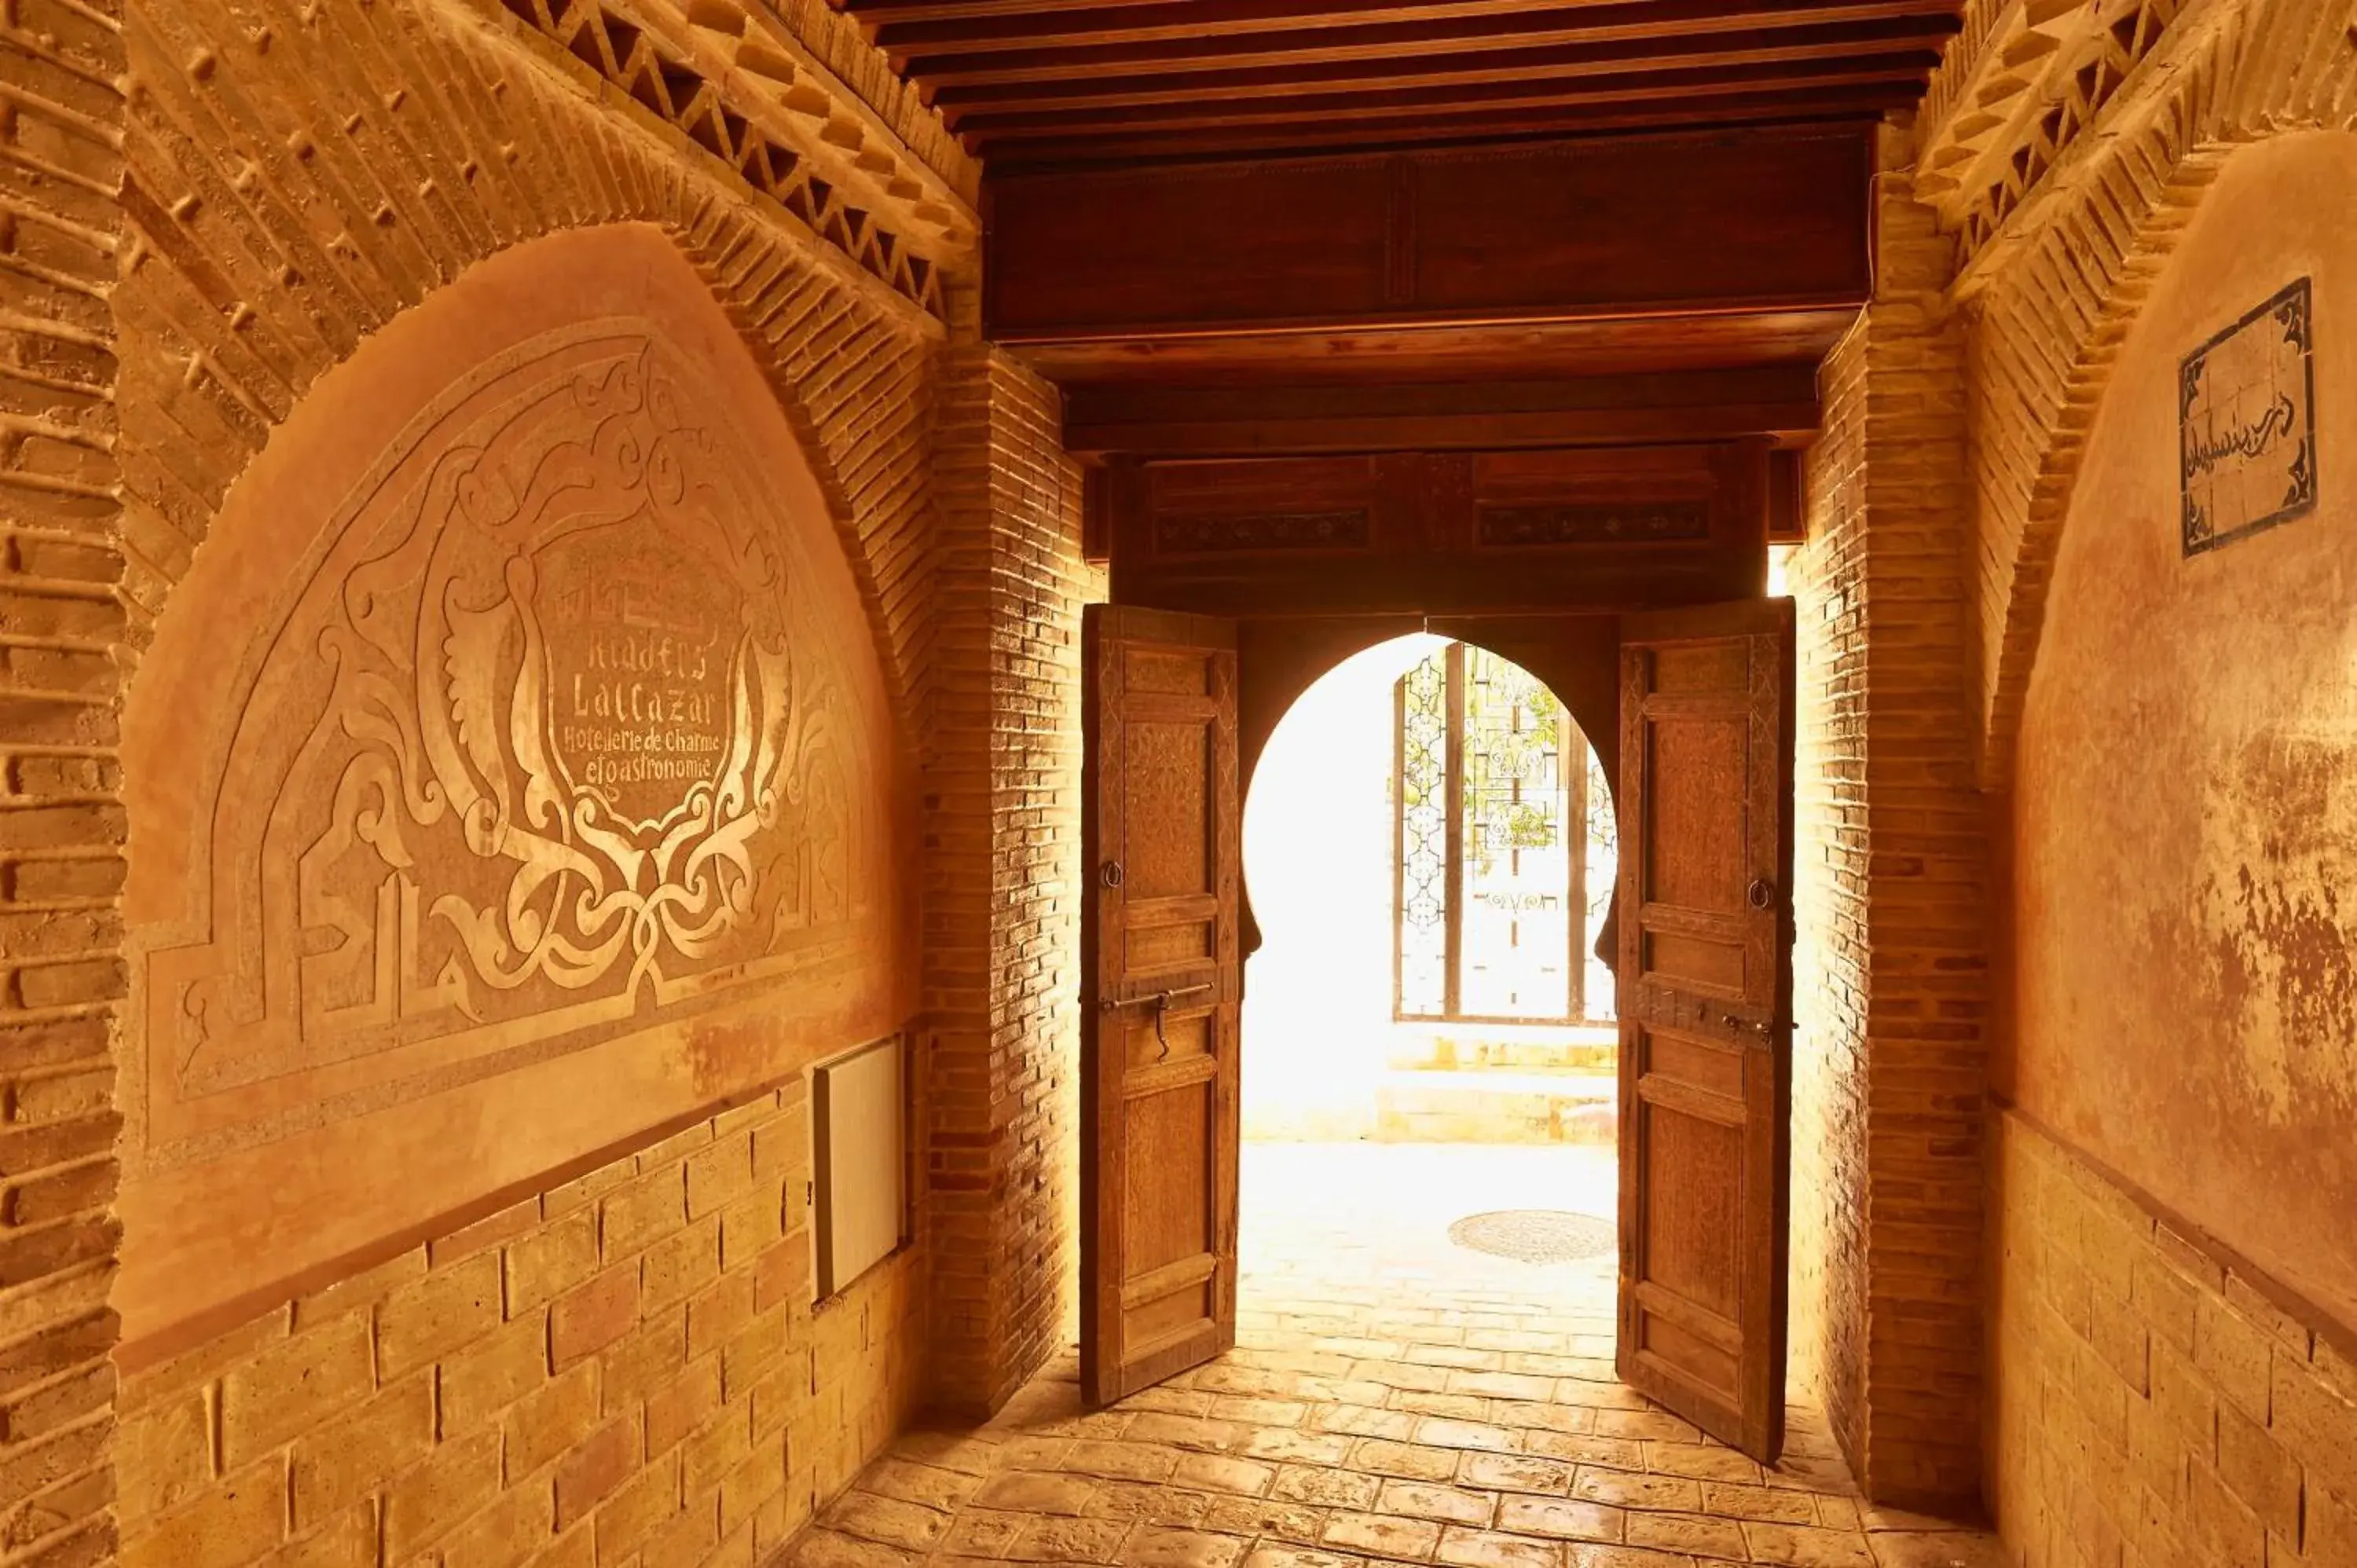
(1704, 996)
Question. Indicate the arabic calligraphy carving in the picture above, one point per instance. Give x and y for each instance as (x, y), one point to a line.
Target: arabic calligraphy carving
(2247, 423)
(550, 736)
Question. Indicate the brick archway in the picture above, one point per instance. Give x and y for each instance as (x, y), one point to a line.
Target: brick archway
(2223, 77)
(258, 257)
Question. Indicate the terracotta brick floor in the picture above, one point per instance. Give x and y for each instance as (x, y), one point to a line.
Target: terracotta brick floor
(1392, 1398)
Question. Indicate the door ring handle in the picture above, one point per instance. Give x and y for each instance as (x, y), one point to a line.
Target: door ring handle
(1762, 893)
(1110, 875)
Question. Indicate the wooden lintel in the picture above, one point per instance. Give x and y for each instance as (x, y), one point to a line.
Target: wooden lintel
(1180, 422)
(1662, 228)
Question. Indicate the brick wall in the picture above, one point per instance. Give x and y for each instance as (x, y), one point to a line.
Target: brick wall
(61, 116)
(252, 258)
(1002, 882)
(2157, 1403)
(1891, 1053)
(1829, 896)
(624, 1368)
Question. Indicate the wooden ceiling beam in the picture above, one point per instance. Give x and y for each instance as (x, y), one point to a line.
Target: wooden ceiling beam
(1611, 20)
(1663, 229)
(1773, 108)
(1357, 356)
(1459, 103)
(1455, 73)
(1037, 84)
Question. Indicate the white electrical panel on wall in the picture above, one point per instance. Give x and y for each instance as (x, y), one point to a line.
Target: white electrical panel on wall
(859, 1157)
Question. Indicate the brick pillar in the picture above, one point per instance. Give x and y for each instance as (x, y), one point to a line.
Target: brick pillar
(61, 824)
(1890, 1061)
(1002, 881)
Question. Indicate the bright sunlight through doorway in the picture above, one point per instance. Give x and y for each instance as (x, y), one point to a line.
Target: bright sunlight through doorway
(1428, 845)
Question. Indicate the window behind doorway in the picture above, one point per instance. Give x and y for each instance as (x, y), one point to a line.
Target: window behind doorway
(1503, 848)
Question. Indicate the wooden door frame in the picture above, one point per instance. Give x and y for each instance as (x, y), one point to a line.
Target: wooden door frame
(1576, 652)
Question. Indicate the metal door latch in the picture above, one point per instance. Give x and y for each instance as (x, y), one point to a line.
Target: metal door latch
(1160, 1002)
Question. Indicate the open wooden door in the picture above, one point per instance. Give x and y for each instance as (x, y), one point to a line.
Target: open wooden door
(1706, 994)
(1160, 985)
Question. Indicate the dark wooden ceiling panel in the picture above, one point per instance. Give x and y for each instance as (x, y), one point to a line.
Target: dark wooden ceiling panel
(1050, 82)
(1504, 214)
(1592, 228)
(1426, 532)
(1665, 225)
(1097, 247)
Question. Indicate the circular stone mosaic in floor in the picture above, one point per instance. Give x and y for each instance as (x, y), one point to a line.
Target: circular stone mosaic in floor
(1536, 1235)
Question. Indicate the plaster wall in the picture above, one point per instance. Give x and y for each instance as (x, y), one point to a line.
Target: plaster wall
(2185, 1002)
(512, 773)
(518, 804)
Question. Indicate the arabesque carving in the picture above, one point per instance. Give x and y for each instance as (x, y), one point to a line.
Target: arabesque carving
(546, 739)
(1196, 535)
(1656, 522)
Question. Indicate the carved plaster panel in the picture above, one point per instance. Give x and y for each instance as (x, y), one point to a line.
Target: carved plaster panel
(520, 708)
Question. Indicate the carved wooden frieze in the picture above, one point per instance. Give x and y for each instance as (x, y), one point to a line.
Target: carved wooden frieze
(518, 733)
(1428, 531)
(2247, 423)
(1214, 534)
(1666, 522)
